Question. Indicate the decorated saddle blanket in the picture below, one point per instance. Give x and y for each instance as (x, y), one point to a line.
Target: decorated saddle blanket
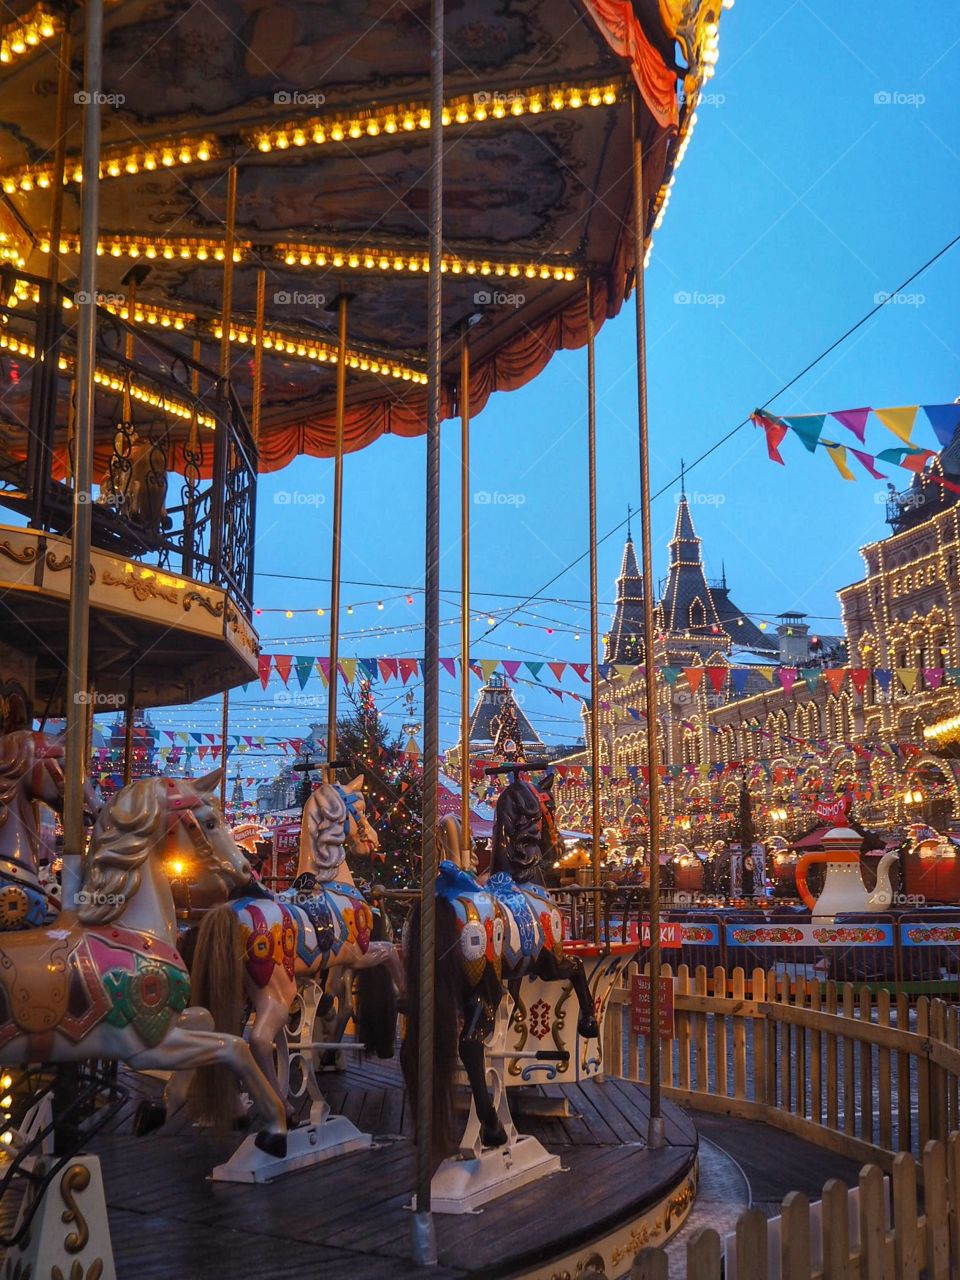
(22, 905)
(68, 978)
(312, 924)
(501, 922)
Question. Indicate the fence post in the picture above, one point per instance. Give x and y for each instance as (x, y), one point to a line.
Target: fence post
(866, 1069)
(905, 1225)
(835, 1217)
(884, 1098)
(703, 1255)
(937, 1233)
(720, 1034)
(752, 1245)
(873, 1233)
(650, 1264)
(795, 1237)
(758, 992)
(953, 1198)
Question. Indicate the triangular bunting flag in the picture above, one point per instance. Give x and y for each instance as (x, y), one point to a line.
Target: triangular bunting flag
(603, 670)
(835, 677)
(388, 668)
(534, 668)
(854, 420)
(488, 666)
(264, 663)
(739, 677)
(944, 418)
(808, 427)
(449, 665)
(908, 677)
(409, 667)
(866, 461)
(953, 673)
(624, 670)
(369, 668)
(323, 670)
(766, 673)
(580, 668)
(558, 668)
(717, 677)
(788, 678)
(899, 420)
(838, 456)
(811, 678)
(774, 431)
(858, 678)
(511, 667)
(670, 674)
(283, 663)
(933, 676)
(694, 677)
(304, 670)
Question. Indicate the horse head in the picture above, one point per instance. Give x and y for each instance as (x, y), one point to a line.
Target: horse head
(517, 830)
(323, 831)
(174, 822)
(360, 834)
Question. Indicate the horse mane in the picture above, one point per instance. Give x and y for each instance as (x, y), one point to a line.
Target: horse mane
(317, 815)
(18, 754)
(127, 830)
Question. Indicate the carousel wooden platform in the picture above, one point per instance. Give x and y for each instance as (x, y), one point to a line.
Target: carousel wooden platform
(349, 1217)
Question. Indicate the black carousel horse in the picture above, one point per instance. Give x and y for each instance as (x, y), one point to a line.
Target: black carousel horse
(487, 935)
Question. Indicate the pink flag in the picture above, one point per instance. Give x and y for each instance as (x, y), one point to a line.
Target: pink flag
(854, 420)
(449, 665)
(511, 668)
(867, 460)
(788, 677)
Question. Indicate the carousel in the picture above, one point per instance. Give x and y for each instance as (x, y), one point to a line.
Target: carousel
(230, 237)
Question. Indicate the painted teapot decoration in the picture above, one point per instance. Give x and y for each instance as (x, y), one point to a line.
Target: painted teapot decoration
(843, 887)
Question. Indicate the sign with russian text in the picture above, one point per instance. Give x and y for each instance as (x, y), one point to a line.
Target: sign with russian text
(641, 991)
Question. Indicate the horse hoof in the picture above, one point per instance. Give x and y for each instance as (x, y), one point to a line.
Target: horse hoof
(493, 1135)
(588, 1028)
(274, 1144)
(148, 1116)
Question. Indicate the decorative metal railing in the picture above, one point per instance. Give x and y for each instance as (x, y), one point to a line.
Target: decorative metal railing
(177, 487)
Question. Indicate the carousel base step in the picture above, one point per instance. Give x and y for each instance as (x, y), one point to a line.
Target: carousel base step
(307, 1145)
(463, 1186)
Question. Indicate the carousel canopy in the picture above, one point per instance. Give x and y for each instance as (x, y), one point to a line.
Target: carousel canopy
(323, 109)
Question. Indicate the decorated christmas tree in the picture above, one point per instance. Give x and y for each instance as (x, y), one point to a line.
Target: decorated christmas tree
(507, 743)
(392, 789)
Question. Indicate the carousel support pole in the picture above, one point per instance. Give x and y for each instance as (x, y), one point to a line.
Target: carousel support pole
(655, 1137)
(226, 320)
(465, 845)
(78, 642)
(594, 621)
(65, 56)
(128, 733)
(257, 407)
(336, 540)
(424, 1230)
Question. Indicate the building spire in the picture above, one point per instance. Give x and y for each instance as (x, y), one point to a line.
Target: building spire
(683, 486)
(629, 534)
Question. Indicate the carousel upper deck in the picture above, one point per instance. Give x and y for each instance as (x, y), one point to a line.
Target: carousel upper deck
(171, 569)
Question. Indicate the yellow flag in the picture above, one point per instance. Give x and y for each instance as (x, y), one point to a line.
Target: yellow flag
(349, 668)
(488, 666)
(624, 671)
(899, 421)
(766, 673)
(908, 677)
(838, 455)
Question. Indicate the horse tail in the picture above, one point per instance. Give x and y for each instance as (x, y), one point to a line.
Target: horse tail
(216, 984)
(446, 1009)
(376, 1008)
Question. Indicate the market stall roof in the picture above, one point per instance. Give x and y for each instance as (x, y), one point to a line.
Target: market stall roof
(324, 111)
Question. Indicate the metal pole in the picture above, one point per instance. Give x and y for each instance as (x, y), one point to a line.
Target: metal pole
(78, 642)
(424, 1233)
(128, 734)
(257, 408)
(656, 1136)
(60, 150)
(594, 620)
(226, 319)
(465, 591)
(336, 540)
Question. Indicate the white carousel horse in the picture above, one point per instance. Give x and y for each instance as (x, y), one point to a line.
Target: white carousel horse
(270, 943)
(107, 981)
(31, 770)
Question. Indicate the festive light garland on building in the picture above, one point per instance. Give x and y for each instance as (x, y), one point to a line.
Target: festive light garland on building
(28, 33)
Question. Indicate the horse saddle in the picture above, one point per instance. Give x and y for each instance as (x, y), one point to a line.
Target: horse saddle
(35, 974)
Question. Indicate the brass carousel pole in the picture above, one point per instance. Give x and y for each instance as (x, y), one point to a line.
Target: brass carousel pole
(65, 56)
(424, 1234)
(594, 621)
(226, 318)
(465, 592)
(337, 533)
(655, 1136)
(257, 407)
(128, 732)
(78, 642)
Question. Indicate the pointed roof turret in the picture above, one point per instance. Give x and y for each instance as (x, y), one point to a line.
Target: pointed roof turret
(625, 641)
(687, 603)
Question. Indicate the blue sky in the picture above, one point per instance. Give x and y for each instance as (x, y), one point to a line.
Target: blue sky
(824, 169)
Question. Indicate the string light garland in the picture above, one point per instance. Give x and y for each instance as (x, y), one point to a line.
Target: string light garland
(382, 258)
(167, 248)
(305, 347)
(19, 38)
(189, 150)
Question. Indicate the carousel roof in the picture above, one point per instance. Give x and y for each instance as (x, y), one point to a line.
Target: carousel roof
(324, 111)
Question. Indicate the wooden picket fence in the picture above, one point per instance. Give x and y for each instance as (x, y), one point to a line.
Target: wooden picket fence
(923, 1238)
(857, 1072)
